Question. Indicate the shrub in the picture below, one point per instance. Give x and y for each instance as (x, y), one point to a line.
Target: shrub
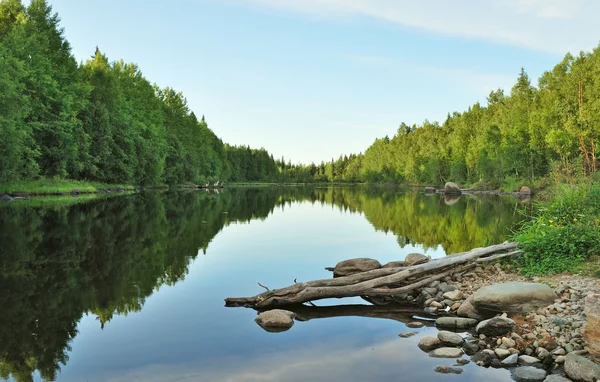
(564, 234)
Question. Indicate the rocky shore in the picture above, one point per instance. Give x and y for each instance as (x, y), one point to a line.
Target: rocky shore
(540, 329)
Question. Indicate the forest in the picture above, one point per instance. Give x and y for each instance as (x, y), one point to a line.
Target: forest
(103, 121)
(100, 120)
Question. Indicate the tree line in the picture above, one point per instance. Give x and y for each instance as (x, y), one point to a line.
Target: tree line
(99, 120)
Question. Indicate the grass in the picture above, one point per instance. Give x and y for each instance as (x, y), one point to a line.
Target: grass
(51, 186)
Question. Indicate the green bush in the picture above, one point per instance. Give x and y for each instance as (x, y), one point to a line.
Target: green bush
(564, 234)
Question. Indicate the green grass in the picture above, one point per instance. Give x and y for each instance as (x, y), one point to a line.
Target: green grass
(50, 186)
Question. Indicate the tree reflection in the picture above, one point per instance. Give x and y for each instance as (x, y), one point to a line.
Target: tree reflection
(107, 256)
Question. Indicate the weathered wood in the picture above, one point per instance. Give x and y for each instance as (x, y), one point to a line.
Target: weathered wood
(375, 282)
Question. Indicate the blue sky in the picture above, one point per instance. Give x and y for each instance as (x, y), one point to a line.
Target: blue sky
(313, 79)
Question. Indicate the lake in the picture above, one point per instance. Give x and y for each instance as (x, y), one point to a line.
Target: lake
(132, 287)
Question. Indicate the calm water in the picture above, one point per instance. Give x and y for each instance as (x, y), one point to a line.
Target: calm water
(131, 288)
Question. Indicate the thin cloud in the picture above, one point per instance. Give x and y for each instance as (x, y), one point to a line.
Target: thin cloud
(552, 26)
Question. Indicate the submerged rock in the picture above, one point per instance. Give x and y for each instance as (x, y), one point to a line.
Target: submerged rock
(448, 370)
(407, 334)
(276, 320)
(446, 353)
(353, 266)
(513, 297)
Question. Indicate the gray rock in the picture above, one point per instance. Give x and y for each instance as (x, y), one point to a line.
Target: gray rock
(582, 369)
(276, 320)
(542, 353)
(449, 338)
(529, 374)
(446, 353)
(513, 297)
(429, 343)
(353, 266)
(455, 323)
(415, 258)
(445, 287)
(451, 188)
(395, 264)
(484, 357)
(556, 378)
(6, 198)
(415, 325)
(501, 353)
(453, 295)
(468, 310)
(496, 326)
(528, 360)
(406, 334)
(511, 360)
(448, 370)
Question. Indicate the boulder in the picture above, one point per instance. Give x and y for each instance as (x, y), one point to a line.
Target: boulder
(449, 338)
(415, 258)
(276, 320)
(592, 327)
(529, 374)
(468, 310)
(582, 369)
(455, 323)
(448, 370)
(353, 266)
(429, 343)
(525, 190)
(496, 326)
(395, 264)
(446, 353)
(513, 297)
(452, 189)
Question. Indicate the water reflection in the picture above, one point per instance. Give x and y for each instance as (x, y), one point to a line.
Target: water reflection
(105, 257)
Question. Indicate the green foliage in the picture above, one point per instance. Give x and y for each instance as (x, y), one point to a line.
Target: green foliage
(565, 234)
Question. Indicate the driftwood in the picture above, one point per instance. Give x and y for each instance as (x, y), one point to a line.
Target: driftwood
(378, 282)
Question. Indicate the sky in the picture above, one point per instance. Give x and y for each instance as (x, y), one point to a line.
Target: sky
(313, 79)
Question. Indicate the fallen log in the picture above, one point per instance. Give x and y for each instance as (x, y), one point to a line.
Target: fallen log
(382, 281)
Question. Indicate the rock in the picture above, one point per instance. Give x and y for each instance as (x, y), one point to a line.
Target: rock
(20, 195)
(454, 295)
(6, 198)
(445, 287)
(528, 360)
(508, 342)
(496, 326)
(452, 189)
(455, 323)
(556, 378)
(430, 310)
(560, 359)
(501, 353)
(455, 306)
(471, 348)
(592, 327)
(429, 343)
(446, 353)
(353, 266)
(449, 338)
(430, 190)
(276, 320)
(415, 325)
(525, 190)
(462, 361)
(407, 334)
(415, 258)
(395, 264)
(448, 370)
(529, 374)
(542, 353)
(513, 297)
(75, 191)
(484, 357)
(468, 310)
(511, 360)
(582, 369)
